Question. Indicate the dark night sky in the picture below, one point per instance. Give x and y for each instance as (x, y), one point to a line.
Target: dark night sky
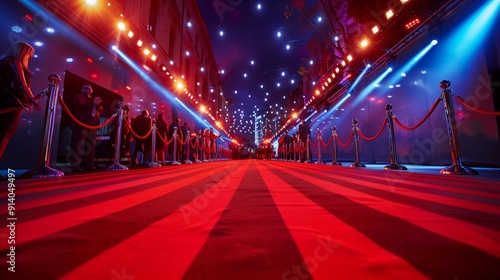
(251, 34)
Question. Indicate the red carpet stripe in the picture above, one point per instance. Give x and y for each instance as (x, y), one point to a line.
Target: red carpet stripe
(166, 248)
(255, 220)
(69, 199)
(63, 220)
(90, 238)
(482, 238)
(331, 248)
(435, 256)
(439, 205)
(250, 240)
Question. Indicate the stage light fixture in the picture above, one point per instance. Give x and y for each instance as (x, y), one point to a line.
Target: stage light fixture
(389, 14)
(412, 23)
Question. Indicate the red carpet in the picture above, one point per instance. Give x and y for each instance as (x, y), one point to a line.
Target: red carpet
(254, 220)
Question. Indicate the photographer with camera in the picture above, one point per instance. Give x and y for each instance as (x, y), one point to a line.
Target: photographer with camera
(83, 141)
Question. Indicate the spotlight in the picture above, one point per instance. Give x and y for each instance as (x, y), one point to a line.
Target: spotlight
(434, 36)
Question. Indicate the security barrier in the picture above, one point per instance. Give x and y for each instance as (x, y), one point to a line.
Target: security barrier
(446, 96)
(294, 151)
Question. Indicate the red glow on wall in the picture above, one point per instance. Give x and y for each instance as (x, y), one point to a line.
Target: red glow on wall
(95, 76)
(29, 17)
(89, 60)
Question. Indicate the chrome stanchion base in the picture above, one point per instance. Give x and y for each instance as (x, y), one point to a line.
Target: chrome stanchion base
(458, 170)
(395, 166)
(176, 163)
(117, 167)
(154, 164)
(188, 162)
(197, 161)
(335, 163)
(47, 171)
(319, 162)
(358, 164)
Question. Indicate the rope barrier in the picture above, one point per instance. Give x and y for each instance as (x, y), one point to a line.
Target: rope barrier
(470, 107)
(302, 147)
(329, 141)
(180, 141)
(422, 121)
(165, 140)
(313, 144)
(137, 136)
(348, 142)
(75, 120)
(377, 135)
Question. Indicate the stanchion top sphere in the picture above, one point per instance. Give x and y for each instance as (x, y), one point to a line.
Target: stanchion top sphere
(388, 106)
(354, 121)
(54, 78)
(444, 84)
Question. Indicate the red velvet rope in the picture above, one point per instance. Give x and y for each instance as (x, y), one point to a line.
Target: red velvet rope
(461, 100)
(166, 141)
(313, 144)
(302, 149)
(180, 141)
(137, 136)
(329, 140)
(376, 136)
(196, 143)
(348, 142)
(75, 120)
(422, 121)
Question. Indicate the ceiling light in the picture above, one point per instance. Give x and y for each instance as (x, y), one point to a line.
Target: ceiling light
(389, 14)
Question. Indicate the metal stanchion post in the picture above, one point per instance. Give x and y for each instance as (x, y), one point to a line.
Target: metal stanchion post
(334, 136)
(204, 150)
(393, 165)
(356, 145)
(118, 141)
(456, 168)
(319, 147)
(187, 146)
(294, 147)
(153, 162)
(209, 154)
(44, 169)
(198, 150)
(174, 159)
(307, 149)
(289, 149)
